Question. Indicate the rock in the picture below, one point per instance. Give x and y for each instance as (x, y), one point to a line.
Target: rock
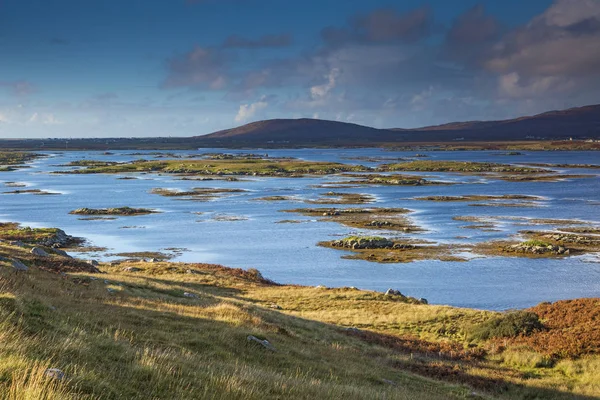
(153, 260)
(18, 265)
(131, 269)
(392, 292)
(190, 295)
(389, 382)
(264, 343)
(61, 253)
(320, 287)
(275, 307)
(193, 271)
(353, 329)
(36, 251)
(93, 263)
(54, 373)
(17, 243)
(110, 290)
(423, 300)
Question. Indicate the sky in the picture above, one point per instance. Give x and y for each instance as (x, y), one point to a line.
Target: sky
(125, 68)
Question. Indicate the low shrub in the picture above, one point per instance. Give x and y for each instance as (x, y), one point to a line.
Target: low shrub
(507, 325)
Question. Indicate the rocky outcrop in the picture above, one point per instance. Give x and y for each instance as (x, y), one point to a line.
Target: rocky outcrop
(19, 266)
(59, 239)
(364, 243)
(36, 251)
(538, 249)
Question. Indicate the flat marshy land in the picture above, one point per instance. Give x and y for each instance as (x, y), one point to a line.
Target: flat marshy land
(468, 229)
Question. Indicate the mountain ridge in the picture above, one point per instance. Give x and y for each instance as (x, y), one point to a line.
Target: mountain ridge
(580, 122)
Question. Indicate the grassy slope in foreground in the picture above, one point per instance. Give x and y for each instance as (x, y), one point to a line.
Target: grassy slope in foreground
(179, 331)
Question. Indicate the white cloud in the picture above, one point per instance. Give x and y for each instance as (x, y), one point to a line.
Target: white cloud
(512, 85)
(247, 111)
(321, 91)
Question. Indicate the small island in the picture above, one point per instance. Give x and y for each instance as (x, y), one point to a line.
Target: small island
(122, 211)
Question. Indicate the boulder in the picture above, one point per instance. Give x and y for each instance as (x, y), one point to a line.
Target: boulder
(131, 269)
(193, 272)
(54, 373)
(264, 343)
(36, 251)
(62, 253)
(392, 292)
(18, 265)
(93, 263)
(190, 295)
(423, 300)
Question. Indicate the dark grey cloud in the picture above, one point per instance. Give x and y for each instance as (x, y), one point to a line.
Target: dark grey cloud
(236, 41)
(383, 26)
(556, 53)
(18, 88)
(386, 64)
(200, 68)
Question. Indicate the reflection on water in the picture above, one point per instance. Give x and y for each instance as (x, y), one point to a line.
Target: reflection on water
(287, 252)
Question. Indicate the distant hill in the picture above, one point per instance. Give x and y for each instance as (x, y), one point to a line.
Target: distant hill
(301, 131)
(576, 123)
(582, 122)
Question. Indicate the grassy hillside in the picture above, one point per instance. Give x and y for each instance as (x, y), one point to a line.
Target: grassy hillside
(164, 330)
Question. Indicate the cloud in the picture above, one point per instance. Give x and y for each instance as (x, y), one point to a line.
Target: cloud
(236, 41)
(201, 68)
(387, 65)
(473, 26)
(562, 41)
(320, 91)
(247, 111)
(18, 88)
(383, 26)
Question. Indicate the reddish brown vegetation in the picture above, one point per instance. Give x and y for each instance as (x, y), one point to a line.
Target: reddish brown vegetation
(573, 328)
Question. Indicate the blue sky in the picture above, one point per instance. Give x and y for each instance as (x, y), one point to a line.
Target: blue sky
(73, 68)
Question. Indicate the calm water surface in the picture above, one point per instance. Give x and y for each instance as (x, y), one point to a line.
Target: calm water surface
(288, 253)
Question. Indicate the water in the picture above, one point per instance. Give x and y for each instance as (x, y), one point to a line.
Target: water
(287, 253)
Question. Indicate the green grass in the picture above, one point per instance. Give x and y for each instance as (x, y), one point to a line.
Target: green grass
(250, 166)
(459, 166)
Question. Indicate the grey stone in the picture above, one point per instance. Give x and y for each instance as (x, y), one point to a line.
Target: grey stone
(18, 265)
(131, 269)
(36, 251)
(54, 373)
(264, 343)
(190, 295)
(62, 253)
(392, 292)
